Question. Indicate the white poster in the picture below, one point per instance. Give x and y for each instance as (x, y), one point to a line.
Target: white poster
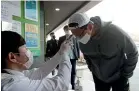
(10, 8)
(15, 8)
(6, 26)
(16, 26)
(5, 14)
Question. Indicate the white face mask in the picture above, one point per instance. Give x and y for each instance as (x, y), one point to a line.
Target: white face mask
(30, 59)
(85, 38)
(67, 32)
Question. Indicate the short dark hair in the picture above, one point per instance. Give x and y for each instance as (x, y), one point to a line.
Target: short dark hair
(10, 42)
(65, 28)
(51, 33)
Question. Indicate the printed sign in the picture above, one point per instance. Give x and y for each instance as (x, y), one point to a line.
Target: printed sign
(10, 8)
(31, 10)
(31, 35)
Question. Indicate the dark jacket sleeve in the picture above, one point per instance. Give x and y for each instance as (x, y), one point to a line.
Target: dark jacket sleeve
(47, 49)
(57, 48)
(59, 43)
(61, 40)
(131, 56)
(89, 64)
(78, 48)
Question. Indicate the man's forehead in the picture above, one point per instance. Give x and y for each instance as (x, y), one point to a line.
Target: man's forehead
(78, 30)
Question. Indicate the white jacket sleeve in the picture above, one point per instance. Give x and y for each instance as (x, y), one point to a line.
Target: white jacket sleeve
(46, 68)
(61, 81)
(58, 83)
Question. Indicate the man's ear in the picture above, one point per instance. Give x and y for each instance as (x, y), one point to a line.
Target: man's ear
(11, 57)
(90, 27)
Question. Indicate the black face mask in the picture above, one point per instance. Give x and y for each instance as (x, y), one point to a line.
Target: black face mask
(53, 37)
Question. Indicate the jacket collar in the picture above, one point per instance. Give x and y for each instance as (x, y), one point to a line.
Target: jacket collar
(14, 72)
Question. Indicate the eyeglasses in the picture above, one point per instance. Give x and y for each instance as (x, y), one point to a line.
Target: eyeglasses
(19, 53)
(76, 25)
(73, 26)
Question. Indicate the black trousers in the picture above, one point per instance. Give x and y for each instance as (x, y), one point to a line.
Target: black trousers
(121, 84)
(73, 72)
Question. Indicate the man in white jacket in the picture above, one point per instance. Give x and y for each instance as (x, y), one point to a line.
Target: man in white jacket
(16, 59)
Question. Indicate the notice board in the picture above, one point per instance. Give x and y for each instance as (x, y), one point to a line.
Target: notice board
(25, 19)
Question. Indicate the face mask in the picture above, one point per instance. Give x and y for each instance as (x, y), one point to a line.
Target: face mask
(53, 36)
(85, 38)
(67, 32)
(30, 59)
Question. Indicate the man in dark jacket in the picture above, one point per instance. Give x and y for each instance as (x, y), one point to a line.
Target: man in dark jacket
(74, 54)
(52, 48)
(110, 53)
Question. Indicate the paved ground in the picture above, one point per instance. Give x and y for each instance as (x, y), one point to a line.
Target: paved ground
(135, 79)
(88, 84)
